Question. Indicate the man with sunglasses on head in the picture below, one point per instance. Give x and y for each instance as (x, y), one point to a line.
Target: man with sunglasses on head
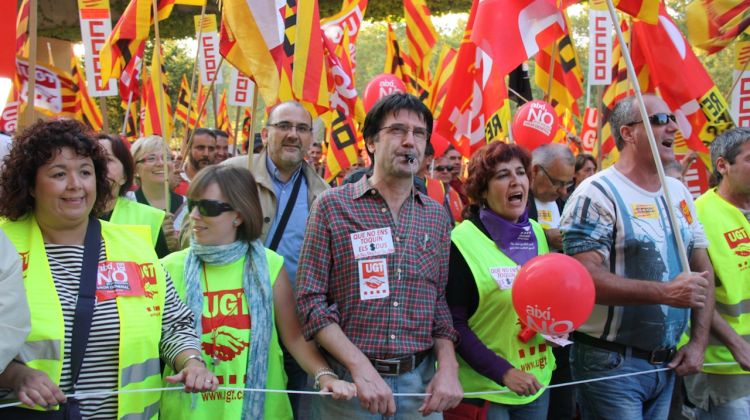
(372, 278)
(287, 186)
(616, 224)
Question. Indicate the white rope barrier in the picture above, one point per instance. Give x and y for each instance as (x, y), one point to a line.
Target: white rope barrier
(80, 395)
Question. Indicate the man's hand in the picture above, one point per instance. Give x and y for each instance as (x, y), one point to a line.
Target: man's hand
(688, 359)
(374, 394)
(554, 238)
(741, 353)
(445, 392)
(521, 383)
(687, 290)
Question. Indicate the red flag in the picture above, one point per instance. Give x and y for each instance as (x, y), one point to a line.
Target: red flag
(511, 31)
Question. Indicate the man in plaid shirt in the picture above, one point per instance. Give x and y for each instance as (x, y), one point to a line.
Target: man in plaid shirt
(372, 274)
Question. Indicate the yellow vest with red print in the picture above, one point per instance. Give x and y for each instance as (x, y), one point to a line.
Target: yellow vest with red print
(140, 316)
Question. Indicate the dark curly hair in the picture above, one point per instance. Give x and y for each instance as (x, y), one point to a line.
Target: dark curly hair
(36, 146)
(482, 168)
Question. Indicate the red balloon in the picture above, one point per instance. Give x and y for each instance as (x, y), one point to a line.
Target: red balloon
(379, 86)
(553, 294)
(534, 124)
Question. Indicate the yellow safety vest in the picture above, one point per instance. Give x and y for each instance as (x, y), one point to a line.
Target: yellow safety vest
(728, 233)
(129, 212)
(226, 404)
(140, 316)
(495, 321)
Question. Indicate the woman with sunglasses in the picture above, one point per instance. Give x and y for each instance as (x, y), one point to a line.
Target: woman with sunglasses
(242, 298)
(121, 210)
(104, 313)
(487, 250)
(150, 172)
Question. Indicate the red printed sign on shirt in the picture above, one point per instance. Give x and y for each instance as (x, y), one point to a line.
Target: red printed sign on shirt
(118, 278)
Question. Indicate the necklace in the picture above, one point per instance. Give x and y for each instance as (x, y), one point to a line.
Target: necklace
(209, 320)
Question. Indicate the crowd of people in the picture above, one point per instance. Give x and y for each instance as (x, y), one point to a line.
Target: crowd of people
(250, 272)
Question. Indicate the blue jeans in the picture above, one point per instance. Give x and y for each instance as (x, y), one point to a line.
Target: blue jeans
(645, 396)
(732, 410)
(416, 381)
(536, 409)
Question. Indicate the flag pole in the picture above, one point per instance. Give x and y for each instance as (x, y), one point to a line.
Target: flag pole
(251, 140)
(127, 115)
(236, 126)
(202, 108)
(28, 115)
(192, 77)
(599, 125)
(162, 106)
(651, 140)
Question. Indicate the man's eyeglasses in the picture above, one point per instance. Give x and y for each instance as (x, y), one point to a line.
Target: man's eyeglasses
(208, 208)
(556, 182)
(660, 118)
(153, 159)
(400, 131)
(286, 127)
(443, 168)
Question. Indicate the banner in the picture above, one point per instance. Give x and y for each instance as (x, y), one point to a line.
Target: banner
(54, 94)
(348, 20)
(9, 116)
(96, 26)
(741, 93)
(241, 89)
(600, 47)
(588, 129)
(208, 49)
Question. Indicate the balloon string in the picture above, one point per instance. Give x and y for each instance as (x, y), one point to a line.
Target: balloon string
(80, 395)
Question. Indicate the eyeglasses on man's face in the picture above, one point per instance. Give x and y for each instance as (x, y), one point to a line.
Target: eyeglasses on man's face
(400, 131)
(556, 182)
(442, 168)
(286, 127)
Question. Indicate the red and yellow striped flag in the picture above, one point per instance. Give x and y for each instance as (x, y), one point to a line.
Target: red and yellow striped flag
(22, 29)
(181, 110)
(713, 24)
(399, 64)
(86, 109)
(222, 116)
(130, 31)
(153, 123)
(255, 26)
(446, 64)
(421, 36)
(566, 85)
(343, 138)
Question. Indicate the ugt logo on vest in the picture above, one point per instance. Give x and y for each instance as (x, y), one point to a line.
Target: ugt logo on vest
(736, 239)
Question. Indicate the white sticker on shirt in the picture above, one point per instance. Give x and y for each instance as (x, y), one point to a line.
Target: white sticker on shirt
(504, 276)
(370, 243)
(373, 279)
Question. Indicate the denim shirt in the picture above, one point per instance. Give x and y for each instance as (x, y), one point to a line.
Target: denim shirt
(291, 241)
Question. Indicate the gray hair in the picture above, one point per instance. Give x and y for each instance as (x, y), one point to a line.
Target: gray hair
(621, 115)
(727, 145)
(545, 154)
(145, 145)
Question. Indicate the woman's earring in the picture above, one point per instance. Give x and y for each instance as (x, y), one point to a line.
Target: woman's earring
(234, 222)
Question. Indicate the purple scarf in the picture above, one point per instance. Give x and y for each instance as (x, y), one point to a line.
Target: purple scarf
(516, 240)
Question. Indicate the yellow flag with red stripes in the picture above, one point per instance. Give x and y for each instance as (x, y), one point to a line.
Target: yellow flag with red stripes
(222, 115)
(439, 88)
(566, 85)
(421, 36)
(153, 122)
(86, 109)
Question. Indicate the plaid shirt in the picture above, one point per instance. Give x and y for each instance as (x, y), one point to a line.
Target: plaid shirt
(327, 291)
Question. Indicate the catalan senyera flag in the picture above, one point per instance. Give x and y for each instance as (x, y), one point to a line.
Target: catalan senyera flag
(511, 31)
(222, 116)
(86, 109)
(130, 31)
(153, 123)
(184, 110)
(713, 24)
(473, 111)
(256, 28)
(247, 124)
(399, 64)
(131, 124)
(420, 35)
(439, 89)
(303, 76)
(566, 85)
(22, 29)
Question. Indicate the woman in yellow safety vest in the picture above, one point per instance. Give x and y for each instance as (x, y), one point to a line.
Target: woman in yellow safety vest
(241, 298)
(120, 209)
(487, 249)
(103, 311)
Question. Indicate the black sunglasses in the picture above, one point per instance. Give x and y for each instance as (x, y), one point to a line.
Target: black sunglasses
(660, 118)
(208, 208)
(443, 168)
